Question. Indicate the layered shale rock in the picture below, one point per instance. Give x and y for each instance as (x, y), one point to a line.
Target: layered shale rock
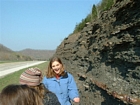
(105, 56)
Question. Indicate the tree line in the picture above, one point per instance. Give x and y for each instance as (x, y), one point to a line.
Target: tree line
(94, 14)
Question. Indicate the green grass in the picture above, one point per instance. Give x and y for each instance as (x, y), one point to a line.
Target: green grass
(14, 77)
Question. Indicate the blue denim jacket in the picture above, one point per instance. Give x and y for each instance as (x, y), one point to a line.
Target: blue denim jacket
(65, 88)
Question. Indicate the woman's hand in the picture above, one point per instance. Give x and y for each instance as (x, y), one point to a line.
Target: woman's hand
(76, 99)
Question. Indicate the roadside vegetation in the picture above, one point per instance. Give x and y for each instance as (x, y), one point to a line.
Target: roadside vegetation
(95, 13)
(14, 77)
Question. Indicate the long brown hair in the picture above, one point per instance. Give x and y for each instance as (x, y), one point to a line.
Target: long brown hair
(50, 73)
(19, 95)
(41, 90)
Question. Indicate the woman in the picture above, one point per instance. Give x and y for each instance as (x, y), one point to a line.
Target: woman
(61, 82)
(19, 95)
(33, 77)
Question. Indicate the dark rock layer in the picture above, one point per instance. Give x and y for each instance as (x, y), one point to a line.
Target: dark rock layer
(105, 56)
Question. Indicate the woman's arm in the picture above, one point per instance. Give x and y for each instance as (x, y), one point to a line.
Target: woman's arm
(72, 88)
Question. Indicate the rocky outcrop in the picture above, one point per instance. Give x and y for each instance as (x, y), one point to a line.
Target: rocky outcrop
(105, 56)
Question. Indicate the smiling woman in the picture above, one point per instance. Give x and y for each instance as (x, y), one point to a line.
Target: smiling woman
(61, 82)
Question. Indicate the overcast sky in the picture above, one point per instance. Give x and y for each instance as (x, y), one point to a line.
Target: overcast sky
(40, 24)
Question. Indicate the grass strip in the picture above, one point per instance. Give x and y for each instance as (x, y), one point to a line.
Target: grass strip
(13, 78)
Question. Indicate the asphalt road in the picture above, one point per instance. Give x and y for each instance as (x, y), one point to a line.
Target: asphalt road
(7, 68)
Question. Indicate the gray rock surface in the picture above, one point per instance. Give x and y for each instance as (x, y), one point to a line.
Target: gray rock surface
(105, 56)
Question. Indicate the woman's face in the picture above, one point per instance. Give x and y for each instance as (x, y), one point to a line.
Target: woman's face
(56, 66)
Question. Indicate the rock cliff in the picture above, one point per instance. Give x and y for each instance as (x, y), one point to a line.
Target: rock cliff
(105, 56)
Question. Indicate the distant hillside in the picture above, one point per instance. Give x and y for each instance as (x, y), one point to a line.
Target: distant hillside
(8, 54)
(38, 54)
(4, 49)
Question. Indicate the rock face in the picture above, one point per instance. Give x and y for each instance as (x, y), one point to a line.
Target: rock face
(104, 57)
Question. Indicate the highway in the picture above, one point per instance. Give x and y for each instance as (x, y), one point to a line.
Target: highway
(7, 68)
